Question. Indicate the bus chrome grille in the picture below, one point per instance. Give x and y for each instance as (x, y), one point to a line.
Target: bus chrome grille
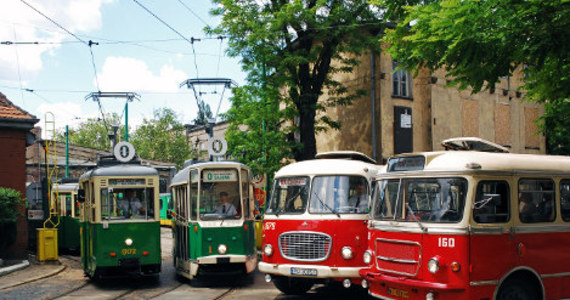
(399, 257)
(305, 246)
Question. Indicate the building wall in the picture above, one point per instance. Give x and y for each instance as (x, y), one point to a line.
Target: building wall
(438, 112)
(13, 175)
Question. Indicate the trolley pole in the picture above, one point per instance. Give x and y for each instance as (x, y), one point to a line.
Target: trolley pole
(66, 151)
(127, 121)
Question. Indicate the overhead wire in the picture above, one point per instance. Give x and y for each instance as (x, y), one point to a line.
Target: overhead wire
(194, 13)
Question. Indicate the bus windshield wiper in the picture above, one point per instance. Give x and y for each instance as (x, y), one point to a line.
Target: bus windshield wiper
(325, 205)
(416, 218)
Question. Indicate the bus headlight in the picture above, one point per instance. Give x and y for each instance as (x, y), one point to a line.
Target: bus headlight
(222, 249)
(346, 252)
(433, 265)
(367, 257)
(268, 250)
(128, 242)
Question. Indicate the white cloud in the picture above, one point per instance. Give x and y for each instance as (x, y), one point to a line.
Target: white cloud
(129, 74)
(19, 22)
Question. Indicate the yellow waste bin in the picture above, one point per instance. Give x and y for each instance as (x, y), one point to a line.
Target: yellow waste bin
(47, 244)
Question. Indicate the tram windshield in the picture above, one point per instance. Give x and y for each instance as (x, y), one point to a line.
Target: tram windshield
(339, 195)
(120, 204)
(219, 194)
(437, 200)
(289, 196)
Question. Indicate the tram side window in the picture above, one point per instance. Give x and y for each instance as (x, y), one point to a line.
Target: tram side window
(194, 194)
(491, 204)
(565, 199)
(536, 200)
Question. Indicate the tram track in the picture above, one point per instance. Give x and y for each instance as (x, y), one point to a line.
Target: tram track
(226, 293)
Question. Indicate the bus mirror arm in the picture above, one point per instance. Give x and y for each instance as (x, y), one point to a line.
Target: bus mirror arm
(169, 214)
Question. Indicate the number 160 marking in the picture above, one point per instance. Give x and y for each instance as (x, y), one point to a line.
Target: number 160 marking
(446, 242)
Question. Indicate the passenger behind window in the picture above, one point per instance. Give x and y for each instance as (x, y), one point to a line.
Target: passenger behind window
(527, 208)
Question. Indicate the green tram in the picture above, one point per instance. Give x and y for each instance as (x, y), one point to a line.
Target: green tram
(165, 201)
(120, 233)
(69, 215)
(213, 220)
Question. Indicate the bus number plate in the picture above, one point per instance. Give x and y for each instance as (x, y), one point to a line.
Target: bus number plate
(398, 293)
(303, 272)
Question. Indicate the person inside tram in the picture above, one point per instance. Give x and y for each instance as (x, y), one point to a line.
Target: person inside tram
(527, 208)
(359, 201)
(131, 205)
(225, 208)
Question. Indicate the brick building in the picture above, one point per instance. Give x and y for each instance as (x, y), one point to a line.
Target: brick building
(15, 135)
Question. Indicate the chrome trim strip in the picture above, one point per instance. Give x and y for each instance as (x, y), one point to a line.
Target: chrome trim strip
(430, 230)
(305, 232)
(489, 230)
(397, 260)
(555, 275)
(484, 282)
(540, 228)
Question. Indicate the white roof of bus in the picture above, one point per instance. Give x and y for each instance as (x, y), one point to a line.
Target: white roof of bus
(329, 167)
(459, 160)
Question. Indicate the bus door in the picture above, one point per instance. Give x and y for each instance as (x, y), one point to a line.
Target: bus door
(492, 247)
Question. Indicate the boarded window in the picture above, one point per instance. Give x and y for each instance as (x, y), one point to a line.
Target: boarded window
(503, 124)
(532, 139)
(470, 118)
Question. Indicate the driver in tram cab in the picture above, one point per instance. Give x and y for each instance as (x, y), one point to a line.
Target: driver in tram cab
(359, 200)
(225, 208)
(131, 205)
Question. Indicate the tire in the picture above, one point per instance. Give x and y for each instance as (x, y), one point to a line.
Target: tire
(518, 289)
(292, 286)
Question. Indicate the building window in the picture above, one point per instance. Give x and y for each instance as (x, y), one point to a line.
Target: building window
(401, 82)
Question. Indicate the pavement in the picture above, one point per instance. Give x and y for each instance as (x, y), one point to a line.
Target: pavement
(28, 271)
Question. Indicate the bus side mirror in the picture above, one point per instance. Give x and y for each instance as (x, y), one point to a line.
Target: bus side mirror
(169, 214)
(81, 196)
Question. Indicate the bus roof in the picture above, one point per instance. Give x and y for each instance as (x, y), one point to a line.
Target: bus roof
(353, 155)
(329, 167)
(184, 174)
(120, 170)
(479, 161)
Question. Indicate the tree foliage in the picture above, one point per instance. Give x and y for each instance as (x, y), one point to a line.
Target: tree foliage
(555, 123)
(92, 133)
(478, 41)
(162, 138)
(296, 42)
(10, 203)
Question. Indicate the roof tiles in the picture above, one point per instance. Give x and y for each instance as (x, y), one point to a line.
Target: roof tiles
(10, 111)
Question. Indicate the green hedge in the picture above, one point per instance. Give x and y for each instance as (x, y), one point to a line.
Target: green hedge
(10, 203)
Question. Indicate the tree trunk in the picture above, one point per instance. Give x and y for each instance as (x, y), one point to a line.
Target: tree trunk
(307, 134)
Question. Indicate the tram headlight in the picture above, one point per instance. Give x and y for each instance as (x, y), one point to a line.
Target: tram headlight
(128, 242)
(433, 265)
(268, 250)
(367, 257)
(346, 252)
(222, 249)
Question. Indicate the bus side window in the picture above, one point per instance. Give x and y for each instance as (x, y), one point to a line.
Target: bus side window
(536, 200)
(565, 199)
(491, 204)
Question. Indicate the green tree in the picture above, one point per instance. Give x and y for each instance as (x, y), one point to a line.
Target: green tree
(296, 42)
(162, 138)
(92, 133)
(478, 41)
(204, 115)
(555, 123)
(10, 205)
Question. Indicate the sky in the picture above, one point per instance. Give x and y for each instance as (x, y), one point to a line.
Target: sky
(135, 53)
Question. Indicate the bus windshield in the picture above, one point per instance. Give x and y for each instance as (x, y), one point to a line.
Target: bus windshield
(289, 196)
(339, 194)
(120, 204)
(219, 194)
(437, 200)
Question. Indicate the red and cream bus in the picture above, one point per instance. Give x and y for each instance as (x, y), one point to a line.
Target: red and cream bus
(314, 226)
(470, 225)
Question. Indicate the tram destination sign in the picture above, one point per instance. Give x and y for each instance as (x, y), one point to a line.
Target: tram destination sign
(219, 175)
(126, 181)
(409, 163)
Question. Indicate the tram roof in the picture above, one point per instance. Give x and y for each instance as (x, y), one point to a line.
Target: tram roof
(120, 170)
(329, 167)
(488, 161)
(183, 175)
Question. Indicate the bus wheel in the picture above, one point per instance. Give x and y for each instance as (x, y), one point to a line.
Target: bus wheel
(292, 286)
(518, 289)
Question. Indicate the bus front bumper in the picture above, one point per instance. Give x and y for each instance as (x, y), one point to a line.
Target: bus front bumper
(315, 271)
(386, 287)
